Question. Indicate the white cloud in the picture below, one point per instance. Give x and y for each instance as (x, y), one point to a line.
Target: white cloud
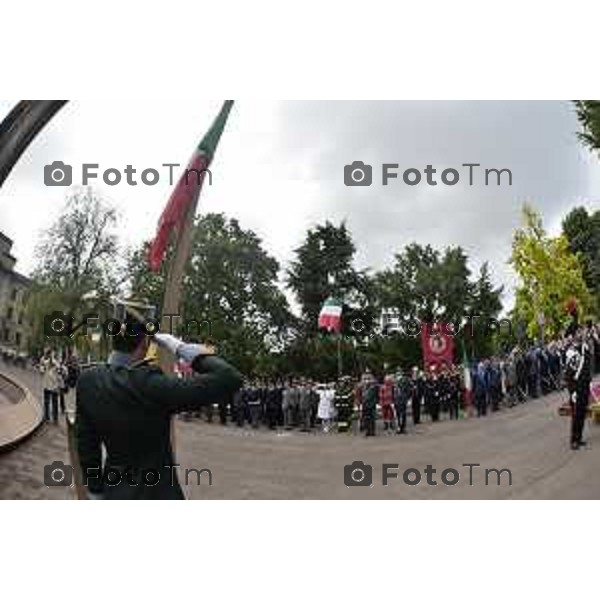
(279, 169)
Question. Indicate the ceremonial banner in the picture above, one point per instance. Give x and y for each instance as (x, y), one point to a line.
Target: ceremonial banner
(188, 188)
(437, 344)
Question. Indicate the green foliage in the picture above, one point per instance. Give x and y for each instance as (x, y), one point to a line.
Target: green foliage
(77, 256)
(426, 285)
(323, 268)
(230, 294)
(582, 231)
(588, 113)
(550, 275)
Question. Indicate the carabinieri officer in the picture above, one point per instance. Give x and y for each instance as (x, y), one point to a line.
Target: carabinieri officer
(126, 407)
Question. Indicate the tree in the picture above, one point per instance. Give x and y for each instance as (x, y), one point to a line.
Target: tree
(550, 275)
(323, 268)
(582, 230)
(426, 285)
(230, 292)
(77, 255)
(588, 113)
(485, 308)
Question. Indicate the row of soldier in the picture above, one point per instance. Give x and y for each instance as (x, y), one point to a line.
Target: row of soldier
(303, 403)
(435, 393)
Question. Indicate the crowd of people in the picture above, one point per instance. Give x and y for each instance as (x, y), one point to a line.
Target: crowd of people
(59, 375)
(359, 404)
(438, 392)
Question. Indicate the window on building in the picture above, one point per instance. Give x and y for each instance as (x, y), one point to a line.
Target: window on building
(9, 313)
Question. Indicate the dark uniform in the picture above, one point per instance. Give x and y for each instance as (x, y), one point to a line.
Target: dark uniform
(128, 410)
(402, 393)
(444, 386)
(239, 407)
(495, 385)
(370, 397)
(344, 404)
(453, 395)
(273, 404)
(532, 362)
(481, 389)
(432, 397)
(417, 389)
(578, 375)
(254, 403)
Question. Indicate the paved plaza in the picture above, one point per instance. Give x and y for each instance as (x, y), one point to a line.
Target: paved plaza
(530, 440)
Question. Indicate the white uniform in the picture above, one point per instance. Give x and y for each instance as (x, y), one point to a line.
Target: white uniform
(326, 404)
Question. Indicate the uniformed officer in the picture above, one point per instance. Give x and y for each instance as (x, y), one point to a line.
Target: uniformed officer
(304, 405)
(254, 402)
(386, 400)
(239, 406)
(495, 384)
(288, 404)
(273, 405)
(402, 393)
(453, 394)
(370, 397)
(578, 376)
(125, 407)
(480, 389)
(432, 395)
(417, 389)
(344, 403)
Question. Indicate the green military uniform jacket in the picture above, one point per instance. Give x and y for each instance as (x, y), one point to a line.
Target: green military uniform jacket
(128, 410)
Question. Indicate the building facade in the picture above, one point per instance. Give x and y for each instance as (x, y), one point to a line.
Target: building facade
(13, 296)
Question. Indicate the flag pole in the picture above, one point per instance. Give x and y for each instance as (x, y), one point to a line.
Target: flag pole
(339, 354)
(174, 280)
(182, 245)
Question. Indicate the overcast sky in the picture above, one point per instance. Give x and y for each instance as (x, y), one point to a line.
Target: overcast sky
(279, 169)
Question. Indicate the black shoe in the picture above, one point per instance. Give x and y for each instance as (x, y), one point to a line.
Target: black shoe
(582, 443)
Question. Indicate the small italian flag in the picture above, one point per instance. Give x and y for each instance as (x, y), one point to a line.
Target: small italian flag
(330, 317)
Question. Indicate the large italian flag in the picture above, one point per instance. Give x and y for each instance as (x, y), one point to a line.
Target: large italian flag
(330, 317)
(188, 188)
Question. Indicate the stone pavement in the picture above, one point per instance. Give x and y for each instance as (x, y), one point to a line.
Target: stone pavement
(22, 469)
(530, 440)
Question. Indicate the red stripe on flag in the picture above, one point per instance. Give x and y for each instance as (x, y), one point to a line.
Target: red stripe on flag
(330, 322)
(186, 190)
